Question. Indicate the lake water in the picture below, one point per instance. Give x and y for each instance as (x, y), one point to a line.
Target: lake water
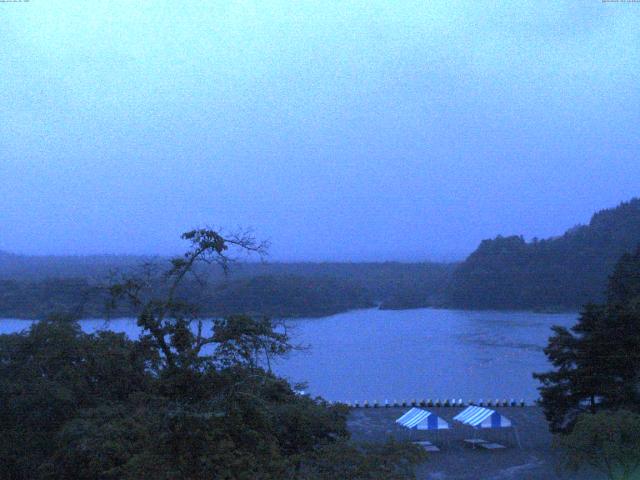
(406, 354)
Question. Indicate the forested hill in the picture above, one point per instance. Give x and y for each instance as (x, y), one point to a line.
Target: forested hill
(504, 273)
(32, 287)
(557, 273)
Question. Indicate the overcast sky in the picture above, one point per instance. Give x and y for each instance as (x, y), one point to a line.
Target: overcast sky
(337, 130)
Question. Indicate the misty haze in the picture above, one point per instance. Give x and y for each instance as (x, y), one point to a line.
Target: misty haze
(319, 240)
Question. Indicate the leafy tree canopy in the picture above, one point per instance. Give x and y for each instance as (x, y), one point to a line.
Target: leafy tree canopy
(562, 272)
(597, 361)
(189, 399)
(607, 441)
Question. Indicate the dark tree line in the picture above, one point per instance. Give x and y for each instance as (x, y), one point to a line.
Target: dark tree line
(276, 290)
(597, 361)
(275, 296)
(558, 273)
(561, 273)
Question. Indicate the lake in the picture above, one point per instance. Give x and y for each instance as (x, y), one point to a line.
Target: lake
(406, 354)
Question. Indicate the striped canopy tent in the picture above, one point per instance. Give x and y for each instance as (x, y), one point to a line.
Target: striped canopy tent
(420, 419)
(480, 417)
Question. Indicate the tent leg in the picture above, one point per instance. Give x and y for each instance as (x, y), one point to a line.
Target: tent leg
(515, 432)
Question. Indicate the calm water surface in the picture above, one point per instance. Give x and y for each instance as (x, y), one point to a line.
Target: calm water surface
(401, 355)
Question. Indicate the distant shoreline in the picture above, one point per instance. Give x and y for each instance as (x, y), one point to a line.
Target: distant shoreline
(304, 317)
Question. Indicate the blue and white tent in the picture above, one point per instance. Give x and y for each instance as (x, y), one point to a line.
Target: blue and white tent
(422, 420)
(480, 417)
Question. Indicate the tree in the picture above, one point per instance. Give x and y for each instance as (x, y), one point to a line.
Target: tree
(49, 374)
(183, 401)
(390, 461)
(562, 272)
(597, 361)
(164, 316)
(607, 441)
(243, 340)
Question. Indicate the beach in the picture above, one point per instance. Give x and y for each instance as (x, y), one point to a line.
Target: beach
(536, 460)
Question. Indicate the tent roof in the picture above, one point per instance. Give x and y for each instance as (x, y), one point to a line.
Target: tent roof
(480, 417)
(422, 420)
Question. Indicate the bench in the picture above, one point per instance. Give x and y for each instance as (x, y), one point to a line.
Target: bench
(474, 441)
(427, 445)
(492, 446)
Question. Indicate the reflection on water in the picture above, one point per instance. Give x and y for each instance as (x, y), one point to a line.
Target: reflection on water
(401, 355)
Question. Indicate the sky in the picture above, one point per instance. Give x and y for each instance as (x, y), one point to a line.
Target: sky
(337, 131)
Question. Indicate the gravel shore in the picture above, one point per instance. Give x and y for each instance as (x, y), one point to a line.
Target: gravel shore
(536, 460)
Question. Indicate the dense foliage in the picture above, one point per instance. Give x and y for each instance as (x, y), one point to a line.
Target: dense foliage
(275, 296)
(101, 406)
(277, 290)
(597, 361)
(81, 406)
(288, 296)
(608, 442)
(563, 272)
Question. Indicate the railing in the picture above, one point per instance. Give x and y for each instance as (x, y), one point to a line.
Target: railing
(437, 403)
